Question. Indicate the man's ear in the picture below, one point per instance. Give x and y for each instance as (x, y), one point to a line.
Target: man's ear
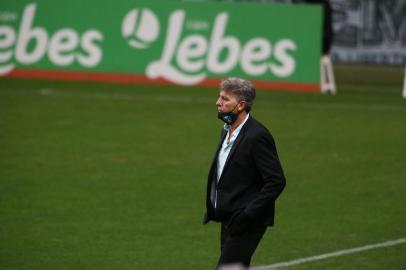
(241, 106)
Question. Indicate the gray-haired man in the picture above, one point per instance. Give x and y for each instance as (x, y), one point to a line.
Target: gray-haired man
(245, 177)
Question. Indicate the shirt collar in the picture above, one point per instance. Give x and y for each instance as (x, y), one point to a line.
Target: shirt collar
(237, 130)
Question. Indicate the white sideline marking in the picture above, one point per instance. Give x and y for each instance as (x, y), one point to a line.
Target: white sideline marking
(330, 255)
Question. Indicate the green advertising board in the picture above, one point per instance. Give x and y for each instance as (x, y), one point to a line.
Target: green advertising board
(186, 43)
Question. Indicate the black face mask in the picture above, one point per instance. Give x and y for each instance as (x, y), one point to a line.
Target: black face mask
(228, 117)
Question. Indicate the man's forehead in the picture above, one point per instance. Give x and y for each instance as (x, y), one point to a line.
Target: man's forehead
(227, 93)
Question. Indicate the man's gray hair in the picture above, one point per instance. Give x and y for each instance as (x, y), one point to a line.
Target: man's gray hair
(244, 90)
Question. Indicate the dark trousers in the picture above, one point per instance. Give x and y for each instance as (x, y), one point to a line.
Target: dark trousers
(239, 248)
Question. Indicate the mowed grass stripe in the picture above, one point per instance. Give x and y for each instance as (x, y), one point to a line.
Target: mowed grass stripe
(201, 100)
(90, 181)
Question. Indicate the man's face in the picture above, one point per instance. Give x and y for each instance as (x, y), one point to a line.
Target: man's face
(227, 102)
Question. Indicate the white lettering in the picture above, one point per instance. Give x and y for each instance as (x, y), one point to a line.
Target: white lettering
(94, 53)
(7, 16)
(191, 48)
(61, 46)
(31, 44)
(288, 63)
(7, 39)
(255, 51)
(163, 68)
(26, 34)
(181, 57)
(218, 43)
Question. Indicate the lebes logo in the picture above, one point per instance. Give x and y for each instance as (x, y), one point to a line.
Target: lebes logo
(63, 47)
(140, 28)
(187, 59)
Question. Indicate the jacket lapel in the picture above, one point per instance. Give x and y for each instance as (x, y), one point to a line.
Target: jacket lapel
(214, 162)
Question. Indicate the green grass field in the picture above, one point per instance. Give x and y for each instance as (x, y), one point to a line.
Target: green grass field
(102, 176)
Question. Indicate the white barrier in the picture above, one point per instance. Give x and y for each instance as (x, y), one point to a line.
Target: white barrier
(327, 80)
(404, 85)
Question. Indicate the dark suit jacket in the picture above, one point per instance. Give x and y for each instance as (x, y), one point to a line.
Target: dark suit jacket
(251, 180)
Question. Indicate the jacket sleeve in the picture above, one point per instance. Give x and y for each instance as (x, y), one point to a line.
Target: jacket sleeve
(269, 167)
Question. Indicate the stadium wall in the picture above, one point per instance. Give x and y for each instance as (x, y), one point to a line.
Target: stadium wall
(159, 42)
(364, 31)
(369, 31)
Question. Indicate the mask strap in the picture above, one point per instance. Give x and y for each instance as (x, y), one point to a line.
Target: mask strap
(234, 108)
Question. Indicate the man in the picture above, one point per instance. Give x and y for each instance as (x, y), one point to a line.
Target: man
(245, 177)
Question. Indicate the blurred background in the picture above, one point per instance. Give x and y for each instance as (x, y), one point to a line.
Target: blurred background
(106, 169)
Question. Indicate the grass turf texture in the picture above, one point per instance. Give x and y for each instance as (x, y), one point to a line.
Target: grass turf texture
(101, 176)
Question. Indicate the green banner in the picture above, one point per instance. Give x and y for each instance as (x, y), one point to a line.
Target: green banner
(186, 43)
